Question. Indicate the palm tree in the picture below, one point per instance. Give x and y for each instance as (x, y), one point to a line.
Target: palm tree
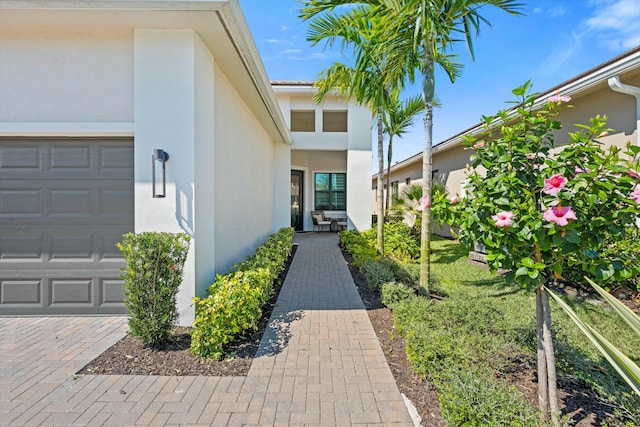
(397, 120)
(367, 80)
(415, 35)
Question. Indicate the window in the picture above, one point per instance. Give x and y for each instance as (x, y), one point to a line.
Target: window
(394, 190)
(334, 121)
(331, 191)
(303, 121)
(407, 181)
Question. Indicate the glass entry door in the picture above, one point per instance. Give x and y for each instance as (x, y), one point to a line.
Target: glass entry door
(297, 197)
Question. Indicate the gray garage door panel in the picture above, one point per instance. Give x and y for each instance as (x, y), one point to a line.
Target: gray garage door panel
(64, 204)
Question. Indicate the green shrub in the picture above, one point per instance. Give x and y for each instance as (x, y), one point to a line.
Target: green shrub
(472, 397)
(377, 273)
(233, 306)
(234, 301)
(360, 248)
(392, 293)
(155, 263)
(399, 241)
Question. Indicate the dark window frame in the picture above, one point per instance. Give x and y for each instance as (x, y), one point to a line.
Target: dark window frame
(330, 192)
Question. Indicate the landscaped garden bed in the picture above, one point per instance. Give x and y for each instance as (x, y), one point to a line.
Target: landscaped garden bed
(476, 341)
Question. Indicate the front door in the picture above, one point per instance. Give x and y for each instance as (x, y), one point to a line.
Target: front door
(297, 186)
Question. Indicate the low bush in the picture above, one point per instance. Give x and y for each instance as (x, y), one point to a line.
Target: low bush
(155, 263)
(399, 242)
(234, 301)
(376, 273)
(392, 293)
(358, 246)
(472, 397)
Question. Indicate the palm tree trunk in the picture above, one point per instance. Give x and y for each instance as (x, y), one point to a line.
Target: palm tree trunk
(543, 384)
(550, 359)
(425, 232)
(380, 193)
(389, 157)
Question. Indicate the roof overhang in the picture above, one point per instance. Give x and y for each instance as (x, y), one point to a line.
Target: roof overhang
(219, 23)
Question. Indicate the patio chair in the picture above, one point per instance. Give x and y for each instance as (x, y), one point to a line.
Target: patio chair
(342, 224)
(320, 221)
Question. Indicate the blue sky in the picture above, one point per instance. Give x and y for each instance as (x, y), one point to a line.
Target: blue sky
(553, 42)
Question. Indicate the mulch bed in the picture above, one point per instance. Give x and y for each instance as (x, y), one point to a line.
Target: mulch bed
(130, 357)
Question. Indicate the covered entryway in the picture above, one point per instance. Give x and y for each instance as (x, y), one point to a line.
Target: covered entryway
(297, 200)
(64, 204)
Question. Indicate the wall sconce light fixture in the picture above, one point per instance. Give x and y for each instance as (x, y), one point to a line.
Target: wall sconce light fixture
(162, 157)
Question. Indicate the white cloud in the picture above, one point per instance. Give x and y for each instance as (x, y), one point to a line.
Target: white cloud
(560, 55)
(557, 11)
(277, 41)
(284, 28)
(616, 23)
(290, 51)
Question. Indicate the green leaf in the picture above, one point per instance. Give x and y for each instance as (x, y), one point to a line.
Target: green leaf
(627, 369)
(522, 271)
(627, 315)
(528, 262)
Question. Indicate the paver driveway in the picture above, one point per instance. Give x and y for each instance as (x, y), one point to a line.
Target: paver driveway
(319, 363)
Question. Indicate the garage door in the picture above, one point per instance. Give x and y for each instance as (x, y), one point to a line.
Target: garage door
(64, 204)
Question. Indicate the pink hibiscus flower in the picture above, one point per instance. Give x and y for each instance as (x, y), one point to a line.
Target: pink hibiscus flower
(554, 184)
(635, 195)
(633, 174)
(559, 214)
(503, 219)
(453, 200)
(424, 202)
(559, 98)
(478, 145)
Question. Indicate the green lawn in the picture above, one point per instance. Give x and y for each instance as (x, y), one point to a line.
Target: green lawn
(484, 327)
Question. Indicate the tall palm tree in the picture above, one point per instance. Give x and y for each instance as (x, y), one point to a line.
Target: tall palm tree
(415, 35)
(397, 120)
(367, 79)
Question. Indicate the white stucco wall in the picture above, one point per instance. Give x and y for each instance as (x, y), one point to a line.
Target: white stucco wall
(164, 78)
(88, 77)
(243, 178)
(348, 152)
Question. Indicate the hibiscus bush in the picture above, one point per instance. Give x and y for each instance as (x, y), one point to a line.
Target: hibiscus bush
(540, 212)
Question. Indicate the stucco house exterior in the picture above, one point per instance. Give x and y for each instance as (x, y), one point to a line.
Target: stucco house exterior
(91, 89)
(330, 151)
(611, 89)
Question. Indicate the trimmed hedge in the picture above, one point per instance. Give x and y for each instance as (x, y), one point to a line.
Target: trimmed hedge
(155, 263)
(234, 301)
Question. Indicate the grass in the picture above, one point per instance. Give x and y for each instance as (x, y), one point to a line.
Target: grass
(484, 327)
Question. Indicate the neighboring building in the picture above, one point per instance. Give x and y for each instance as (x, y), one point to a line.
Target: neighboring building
(593, 92)
(90, 89)
(331, 149)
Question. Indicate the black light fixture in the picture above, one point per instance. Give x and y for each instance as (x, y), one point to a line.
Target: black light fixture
(162, 157)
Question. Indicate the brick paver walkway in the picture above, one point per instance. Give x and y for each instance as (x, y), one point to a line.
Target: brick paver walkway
(319, 363)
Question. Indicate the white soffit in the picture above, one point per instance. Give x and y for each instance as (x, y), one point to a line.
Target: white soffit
(219, 23)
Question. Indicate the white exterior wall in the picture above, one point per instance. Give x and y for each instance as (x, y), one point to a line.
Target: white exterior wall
(282, 186)
(227, 177)
(82, 76)
(165, 94)
(244, 169)
(358, 167)
(346, 152)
